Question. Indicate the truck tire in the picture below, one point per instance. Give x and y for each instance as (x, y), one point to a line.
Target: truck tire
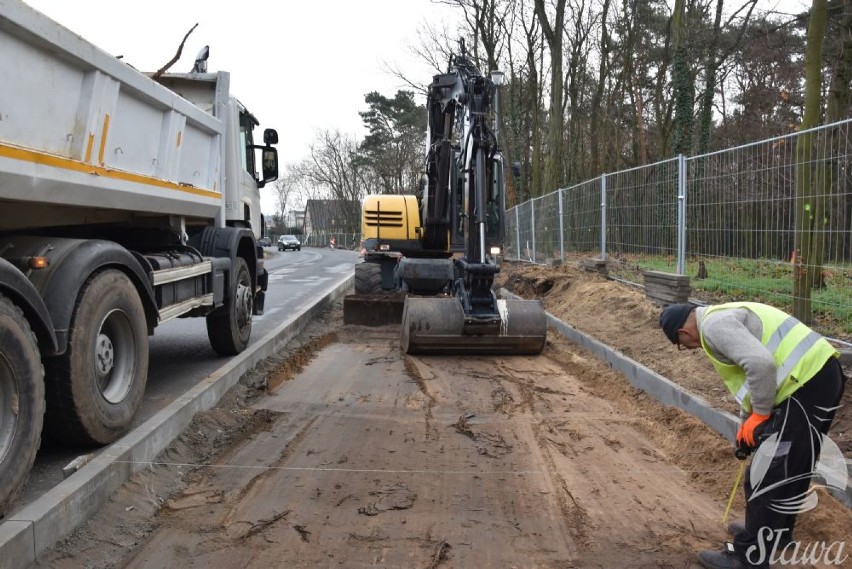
(368, 278)
(21, 401)
(95, 389)
(229, 327)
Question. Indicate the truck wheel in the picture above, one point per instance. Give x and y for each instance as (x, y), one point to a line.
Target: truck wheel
(229, 327)
(368, 278)
(21, 400)
(95, 389)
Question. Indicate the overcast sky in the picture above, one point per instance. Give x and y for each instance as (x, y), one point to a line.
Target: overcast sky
(298, 65)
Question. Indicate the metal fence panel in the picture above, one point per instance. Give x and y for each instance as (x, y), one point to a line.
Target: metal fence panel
(641, 219)
(523, 242)
(745, 223)
(581, 218)
(742, 221)
(547, 227)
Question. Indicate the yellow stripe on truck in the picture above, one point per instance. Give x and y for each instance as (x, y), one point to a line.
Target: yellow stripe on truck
(89, 147)
(102, 151)
(54, 161)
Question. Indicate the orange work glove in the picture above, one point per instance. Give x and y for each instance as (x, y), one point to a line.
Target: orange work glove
(746, 432)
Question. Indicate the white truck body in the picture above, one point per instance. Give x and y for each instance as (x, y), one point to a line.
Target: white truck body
(94, 131)
(124, 201)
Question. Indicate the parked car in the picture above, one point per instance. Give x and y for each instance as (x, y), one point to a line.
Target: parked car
(289, 242)
(264, 242)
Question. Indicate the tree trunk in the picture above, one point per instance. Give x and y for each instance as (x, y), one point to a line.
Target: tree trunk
(810, 200)
(836, 105)
(681, 81)
(599, 91)
(534, 101)
(711, 64)
(555, 121)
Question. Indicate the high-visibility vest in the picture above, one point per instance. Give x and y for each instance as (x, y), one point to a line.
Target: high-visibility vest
(798, 351)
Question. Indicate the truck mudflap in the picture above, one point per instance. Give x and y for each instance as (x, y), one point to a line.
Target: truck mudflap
(440, 326)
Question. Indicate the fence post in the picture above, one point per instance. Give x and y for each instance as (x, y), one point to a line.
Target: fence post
(532, 228)
(681, 215)
(518, 232)
(603, 217)
(561, 231)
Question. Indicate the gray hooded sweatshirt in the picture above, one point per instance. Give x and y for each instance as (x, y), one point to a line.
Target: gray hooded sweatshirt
(733, 337)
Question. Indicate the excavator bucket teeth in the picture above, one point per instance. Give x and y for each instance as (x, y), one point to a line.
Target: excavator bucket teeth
(439, 326)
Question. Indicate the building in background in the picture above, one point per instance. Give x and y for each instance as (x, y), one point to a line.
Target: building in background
(294, 218)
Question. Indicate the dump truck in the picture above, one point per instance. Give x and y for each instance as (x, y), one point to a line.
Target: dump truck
(434, 256)
(126, 200)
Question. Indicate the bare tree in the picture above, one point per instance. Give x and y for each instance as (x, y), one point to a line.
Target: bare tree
(334, 170)
(283, 188)
(597, 98)
(714, 59)
(581, 24)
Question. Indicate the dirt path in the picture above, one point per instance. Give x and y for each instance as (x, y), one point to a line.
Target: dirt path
(361, 457)
(623, 318)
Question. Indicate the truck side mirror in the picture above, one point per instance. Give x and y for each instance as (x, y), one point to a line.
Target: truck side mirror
(269, 162)
(270, 136)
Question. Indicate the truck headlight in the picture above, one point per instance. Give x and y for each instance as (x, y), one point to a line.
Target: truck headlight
(495, 251)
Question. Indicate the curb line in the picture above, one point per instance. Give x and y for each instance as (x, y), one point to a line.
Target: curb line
(27, 533)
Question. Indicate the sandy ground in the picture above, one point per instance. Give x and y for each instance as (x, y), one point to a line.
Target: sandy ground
(341, 452)
(622, 317)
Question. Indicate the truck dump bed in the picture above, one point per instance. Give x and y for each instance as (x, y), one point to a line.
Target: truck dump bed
(79, 127)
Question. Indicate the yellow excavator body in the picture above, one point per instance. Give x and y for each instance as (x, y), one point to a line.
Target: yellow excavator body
(392, 218)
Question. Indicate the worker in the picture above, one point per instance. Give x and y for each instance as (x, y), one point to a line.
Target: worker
(788, 382)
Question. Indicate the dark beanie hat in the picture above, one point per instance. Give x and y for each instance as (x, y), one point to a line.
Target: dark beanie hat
(672, 319)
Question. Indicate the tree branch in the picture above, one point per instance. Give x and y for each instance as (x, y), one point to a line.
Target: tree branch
(165, 68)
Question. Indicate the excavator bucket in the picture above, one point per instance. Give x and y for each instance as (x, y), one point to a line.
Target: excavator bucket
(378, 309)
(440, 326)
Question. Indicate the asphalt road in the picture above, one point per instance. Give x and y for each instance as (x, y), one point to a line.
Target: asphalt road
(181, 356)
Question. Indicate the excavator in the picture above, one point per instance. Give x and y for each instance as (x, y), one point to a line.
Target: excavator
(439, 250)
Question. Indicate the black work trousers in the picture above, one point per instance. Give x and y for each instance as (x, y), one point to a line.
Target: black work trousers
(773, 501)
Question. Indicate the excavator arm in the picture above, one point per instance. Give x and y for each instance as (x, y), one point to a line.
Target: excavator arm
(465, 183)
(439, 249)
(460, 144)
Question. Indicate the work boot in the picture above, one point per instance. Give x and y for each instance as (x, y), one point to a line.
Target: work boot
(735, 528)
(725, 559)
